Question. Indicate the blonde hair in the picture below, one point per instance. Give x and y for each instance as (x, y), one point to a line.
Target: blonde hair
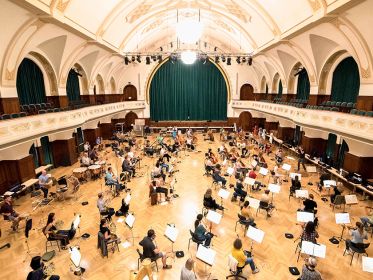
(189, 264)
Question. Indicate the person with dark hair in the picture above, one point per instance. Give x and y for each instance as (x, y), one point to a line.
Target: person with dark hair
(309, 233)
(310, 204)
(111, 179)
(9, 213)
(209, 202)
(301, 159)
(247, 214)
(50, 230)
(295, 185)
(124, 208)
(265, 198)
(309, 271)
(337, 191)
(150, 249)
(104, 210)
(108, 236)
(243, 257)
(239, 191)
(216, 175)
(37, 272)
(200, 231)
(358, 235)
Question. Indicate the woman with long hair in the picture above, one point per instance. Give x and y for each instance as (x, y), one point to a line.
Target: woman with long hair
(209, 202)
(50, 230)
(309, 233)
(200, 231)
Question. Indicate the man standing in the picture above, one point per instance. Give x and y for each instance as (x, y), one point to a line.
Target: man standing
(301, 159)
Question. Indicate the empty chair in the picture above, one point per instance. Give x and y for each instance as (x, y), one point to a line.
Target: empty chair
(49, 110)
(338, 104)
(32, 108)
(353, 111)
(6, 117)
(323, 103)
(354, 105)
(49, 105)
(42, 111)
(335, 109)
(14, 115)
(361, 113)
(359, 249)
(344, 104)
(56, 110)
(369, 114)
(43, 105)
(38, 107)
(328, 103)
(332, 103)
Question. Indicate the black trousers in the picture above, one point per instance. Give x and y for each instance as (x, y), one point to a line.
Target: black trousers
(45, 191)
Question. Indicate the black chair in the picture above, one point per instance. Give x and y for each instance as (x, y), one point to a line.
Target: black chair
(6, 117)
(14, 115)
(243, 222)
(264, 206)
(49, 110)
(38, 107)
(42, 111)
(56, 110)
(234, 269)
(141, 258)
(359, 249)
(23, 114)
(43, 106)
(51, 242)
(194, 239)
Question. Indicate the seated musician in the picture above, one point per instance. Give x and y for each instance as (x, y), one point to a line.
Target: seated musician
(244, 149)
(101, 205)
(44, 183)
(189, 143)
(368, 219)
(108, 236)
(85, 161)
(157, 172)
(243, 257)
(38, 272)
(216, 175)
(210, 135)
(247, 214)
(222, 134)
(93, 155)
(309, 232)
(209, 166)
(148, 149)
(9, 213)
(162, 164)
(358, 235)
(239, 191)
(265, 198)
(155, 186)
(279, 156)
(337, 190)
(99, 143)
(123, 210)
(50, 230)
(240, 168)
(128, 167)
(276, 176)
(310, 204)
(86, 146)
(233, 155)
(200, 231)
(295, 185)
(111, 179)
(209, 202)
(163, 153)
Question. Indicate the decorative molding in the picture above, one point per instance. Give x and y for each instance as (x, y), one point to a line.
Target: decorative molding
(62, 5)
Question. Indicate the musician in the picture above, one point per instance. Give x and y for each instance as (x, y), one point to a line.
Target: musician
(265, 198)
(86, 146)
(279, 156)
(187, 271)
(209, 202)
(310, 204)
(189, 133)
(309, 232)
(210, 135)
(37, 272)
(243, 257)
(128, 167)
(276, 175)
(85, 161)
(124, 208)
(337, 191)
(222, 134)
(240, 167)
(163, 153)
(233, 155)
(156, 186)
(295, 185)
(216, 175)
(148, 149)
(158, 172)
(50, 230)
(200, 231)
(108, 236)
(189, 143)
(44, 183)
(99, 143)
(239, 191)
(9, 213)
(309, 271)
(150, 249)
(368, 219)
(101, 205)
(209, 166)
(301, 159)
(93, 155)
(247, 214)
(111, 179)
(244, 149)
(358, 235)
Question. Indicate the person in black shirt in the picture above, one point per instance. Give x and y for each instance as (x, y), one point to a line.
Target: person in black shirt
(209, 202)
(337, 191)
(301, 154)
(37, 272)
(217, 177)
(295, 185)
(310, 204)
(150, 249)
(239, 191)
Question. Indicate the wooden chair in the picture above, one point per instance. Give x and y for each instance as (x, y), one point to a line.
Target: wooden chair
(141, 258)
(51, 242)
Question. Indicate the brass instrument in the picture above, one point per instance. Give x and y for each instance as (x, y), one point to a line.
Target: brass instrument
(49, 269)
(112, 228)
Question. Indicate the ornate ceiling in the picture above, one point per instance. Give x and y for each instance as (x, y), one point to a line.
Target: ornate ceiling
(235, 25)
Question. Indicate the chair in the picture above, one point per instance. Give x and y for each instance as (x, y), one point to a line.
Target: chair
(361, 113)
(353, 111)
(194, 239)
(339, 200)
(23, 114)
(338, 104)
(51, 242)
(49, 110)
(141, 258)
(242, 221)
(369, 113)
(103, 244)
(6, 117)
(43, 106)
(332, 103)
(234, 269)
(264, 206)
(56, 110)
(38, 107)
(328, 103)
(359, 249)
(42, 111)
(14, 115)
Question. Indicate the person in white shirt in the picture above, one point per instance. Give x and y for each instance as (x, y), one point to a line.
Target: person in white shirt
(187, 272)
(85, 160)
(86, 146)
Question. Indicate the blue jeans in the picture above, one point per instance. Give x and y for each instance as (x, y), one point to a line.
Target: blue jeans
(250, 261)
(365, 220)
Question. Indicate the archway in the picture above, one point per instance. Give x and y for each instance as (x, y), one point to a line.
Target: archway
(130, 93)
(129, 120)
(263, 85)
(275, 83)
(247, 92)
(100, 83)
(244, 121)
(113, 87)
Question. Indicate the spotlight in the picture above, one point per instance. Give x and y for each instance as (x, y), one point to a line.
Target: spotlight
(159, 58)
(244, 60)
(205, 44)
(223, 58)
(173, 57)
(126, 60)
(228, 61)
(161, 49)
(216, 59)
(203, 58)
(138, 59)
(250, 61)
(215, 49)
(133, 58)
(238, 59)
(154, 57)
(172, 45)
(147, 60)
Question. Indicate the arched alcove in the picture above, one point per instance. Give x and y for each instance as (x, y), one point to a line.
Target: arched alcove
(276, 78)
(325, 77)
(83, 80)
(244, 121)
(113, 87)
(247, 92)
(100, 84)
(130, 93)
(263, 85)
(72, 85)
(129, 120)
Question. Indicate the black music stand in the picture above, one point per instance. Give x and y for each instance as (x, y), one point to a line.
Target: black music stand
(7, 245)
(28, 227)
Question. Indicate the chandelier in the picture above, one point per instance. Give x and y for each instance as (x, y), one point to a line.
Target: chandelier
(189, 31)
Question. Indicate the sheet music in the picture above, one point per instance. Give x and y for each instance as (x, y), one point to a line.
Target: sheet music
(342, 218)
(292, 176)
(263, 171)
(286, 167)
(255, 234)
(223, 193)
(254, 203)
(206, 255)
(311, 169)
(274, 188)
(127, 199)
(213, 216)
(75, 256)
(367, 264)
(120, 220)
(249, 181)
(305, 217)
(351, 199)
(130, 219)
(317, 250)
(289, 157)
(301, 193)
(224, 162)
(230, 171)
(171, 233)
(254, 163)
(329, 183)
(76, 221)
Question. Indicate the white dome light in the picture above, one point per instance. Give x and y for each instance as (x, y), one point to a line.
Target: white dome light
(189, 31)
(188, 57)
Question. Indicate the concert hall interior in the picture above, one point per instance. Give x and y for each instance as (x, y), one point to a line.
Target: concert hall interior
(186, 139)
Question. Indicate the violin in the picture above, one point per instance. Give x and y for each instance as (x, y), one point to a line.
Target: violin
(214, 160)
(194, 139)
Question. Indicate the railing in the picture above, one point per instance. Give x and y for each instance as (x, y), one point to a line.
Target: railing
(342, 123)
(21, 128)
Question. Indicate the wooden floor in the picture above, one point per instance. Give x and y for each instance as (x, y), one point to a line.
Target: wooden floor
(273, 256)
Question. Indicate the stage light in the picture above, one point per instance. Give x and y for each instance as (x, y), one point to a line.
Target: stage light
(215, 49)
(147, 60)
(189, 31)
(173, 57)
(188, 57)
(126, 60)
(244, 60)
(154, 58)
(228, 61)
(250, 61)
(203, 58)
(133, 58)
(159, 58)
(223, 58)
(238, 59)
(138, 59)
(216, 59)
(161, 49)
(171, 45)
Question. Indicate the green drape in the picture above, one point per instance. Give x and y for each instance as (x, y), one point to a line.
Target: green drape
(297, 135)
(30, 83)
(303, 86)
(330, 146)
(266, 89)
(79, 139)
(346, 81)
(35, 156)
(342, 152)
(280, 89)
(72, 86)
(188, 92)
(47, 150)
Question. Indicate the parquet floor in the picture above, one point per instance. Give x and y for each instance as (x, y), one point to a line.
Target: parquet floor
(273, 256)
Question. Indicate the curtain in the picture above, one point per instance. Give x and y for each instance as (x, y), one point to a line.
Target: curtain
(30, 83)
(266, 89)
(279, 93)
(330, 146)
(342, 151)
(72, 86)
(297, 135)
(303, 86)
(188, 92)
(80, 139)
(47, 150)
(346, 81)
(34, 154)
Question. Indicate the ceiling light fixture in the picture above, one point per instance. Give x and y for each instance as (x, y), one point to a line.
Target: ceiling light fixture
(188, 57)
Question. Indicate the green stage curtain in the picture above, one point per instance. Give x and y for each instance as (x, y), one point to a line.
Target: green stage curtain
(30, 83)
(188, 92)
(346, 81)
(72, 86)
(303, 86)
(279, 93)
(342, 152)
(47, 150)
(266, 89)
(330, 146)
(35, 156)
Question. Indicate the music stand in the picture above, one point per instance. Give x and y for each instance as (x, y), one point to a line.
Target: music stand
(316, 250)
(130, 220)
(76, 222)
(207, 256)
(367, 264)
(305, 217)
(28, 227)
(76, 257)
(213, 217)
(254, 203)
(224, 194)
(249, 181)
(341, 219)
(256, 235)
(274, 188)
(171, 233)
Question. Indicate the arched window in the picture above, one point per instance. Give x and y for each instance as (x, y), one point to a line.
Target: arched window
(279, 93)
(303, 86)
(72, 86)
